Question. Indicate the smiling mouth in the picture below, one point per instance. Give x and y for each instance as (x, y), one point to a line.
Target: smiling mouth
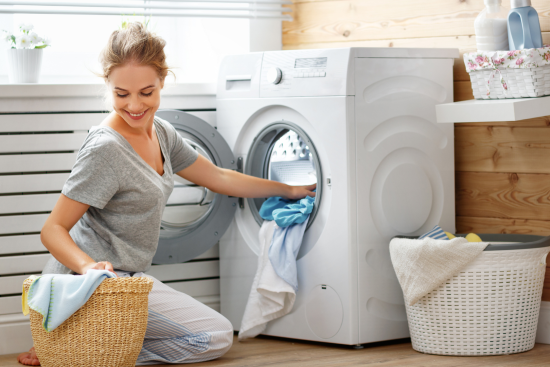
(136, 115)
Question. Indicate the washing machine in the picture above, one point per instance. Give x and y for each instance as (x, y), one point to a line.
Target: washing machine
(359, 122)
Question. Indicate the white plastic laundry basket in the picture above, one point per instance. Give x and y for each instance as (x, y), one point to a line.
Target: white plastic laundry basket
(491, 307)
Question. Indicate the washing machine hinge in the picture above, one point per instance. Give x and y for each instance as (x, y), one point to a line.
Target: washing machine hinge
(240, 169)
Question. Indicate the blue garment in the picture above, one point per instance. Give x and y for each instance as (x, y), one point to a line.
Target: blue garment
(287, 212)
(284, 249)
(436, 233)
(57, 296)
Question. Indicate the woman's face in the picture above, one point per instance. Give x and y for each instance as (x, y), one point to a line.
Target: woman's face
(136, 93)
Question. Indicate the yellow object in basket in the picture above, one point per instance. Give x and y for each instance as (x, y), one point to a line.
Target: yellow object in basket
(451, 236)
(472, 237)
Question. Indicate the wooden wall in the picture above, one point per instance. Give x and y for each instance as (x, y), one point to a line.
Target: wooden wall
(502, 168)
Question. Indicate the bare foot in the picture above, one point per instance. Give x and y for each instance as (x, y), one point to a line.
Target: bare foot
(29, 358)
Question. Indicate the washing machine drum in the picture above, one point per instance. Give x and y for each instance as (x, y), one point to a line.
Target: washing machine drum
(195, 218)
(284, 152)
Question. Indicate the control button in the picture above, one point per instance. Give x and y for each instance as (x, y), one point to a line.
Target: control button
(309, 75)
(323, 73)
(301, 75)
(317, 74)
(274, 75)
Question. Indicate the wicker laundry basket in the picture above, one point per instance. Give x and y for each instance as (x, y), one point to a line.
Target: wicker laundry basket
(521, 83)
(107, 331)
(509, 74)
(491, 307)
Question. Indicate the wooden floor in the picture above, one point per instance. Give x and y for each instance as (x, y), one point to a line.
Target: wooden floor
(265, 351)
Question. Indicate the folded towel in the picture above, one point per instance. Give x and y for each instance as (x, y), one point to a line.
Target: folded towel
(57, 296)
(287, 212)
(436, 233)
(424, 265)
(270, 297)
(284, 249)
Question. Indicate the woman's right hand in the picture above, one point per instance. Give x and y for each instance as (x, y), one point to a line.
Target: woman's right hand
(101, 265)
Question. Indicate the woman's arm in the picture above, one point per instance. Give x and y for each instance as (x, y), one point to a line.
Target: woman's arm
(55, 236)
(231, 183)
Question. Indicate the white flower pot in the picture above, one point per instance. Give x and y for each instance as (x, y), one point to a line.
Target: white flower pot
(24, 65)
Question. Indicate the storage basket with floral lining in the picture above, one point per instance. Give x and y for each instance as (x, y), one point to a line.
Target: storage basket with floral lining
(108, 331)
(509, 74)
(491, 307)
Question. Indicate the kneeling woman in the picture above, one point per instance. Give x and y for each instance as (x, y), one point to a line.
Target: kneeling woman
(109, 213)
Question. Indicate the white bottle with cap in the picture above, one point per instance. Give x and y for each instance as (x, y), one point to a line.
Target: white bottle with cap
(491, 26)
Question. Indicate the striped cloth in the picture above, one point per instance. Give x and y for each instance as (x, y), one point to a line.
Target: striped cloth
(180, 329)
(436, 233)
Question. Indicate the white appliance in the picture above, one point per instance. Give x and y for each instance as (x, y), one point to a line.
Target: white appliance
(361, 123)
(384, 167)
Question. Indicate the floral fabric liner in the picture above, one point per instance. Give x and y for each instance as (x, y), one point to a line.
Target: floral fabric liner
(499, 60)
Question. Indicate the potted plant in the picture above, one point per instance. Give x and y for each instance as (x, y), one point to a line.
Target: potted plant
(25, 54)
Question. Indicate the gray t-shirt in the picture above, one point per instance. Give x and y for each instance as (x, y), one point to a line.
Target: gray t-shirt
(126, 197)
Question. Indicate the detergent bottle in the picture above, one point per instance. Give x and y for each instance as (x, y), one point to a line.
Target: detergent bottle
(491, 27)
(523, 26)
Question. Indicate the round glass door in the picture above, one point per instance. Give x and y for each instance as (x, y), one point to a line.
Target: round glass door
(283, 152)
(189, 204)
(194, 218)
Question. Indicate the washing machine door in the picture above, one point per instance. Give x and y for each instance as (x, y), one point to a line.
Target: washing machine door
(195, 218)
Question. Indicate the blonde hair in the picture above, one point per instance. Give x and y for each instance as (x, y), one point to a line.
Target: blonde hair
(136, 44)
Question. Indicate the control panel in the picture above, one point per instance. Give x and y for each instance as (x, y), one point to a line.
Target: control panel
(305, 73)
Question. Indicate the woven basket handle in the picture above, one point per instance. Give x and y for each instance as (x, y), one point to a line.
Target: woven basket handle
(503, 83)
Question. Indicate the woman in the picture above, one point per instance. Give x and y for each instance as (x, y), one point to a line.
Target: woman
(108, 216)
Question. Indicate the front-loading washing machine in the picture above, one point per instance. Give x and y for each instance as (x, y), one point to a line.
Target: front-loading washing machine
(360, 122)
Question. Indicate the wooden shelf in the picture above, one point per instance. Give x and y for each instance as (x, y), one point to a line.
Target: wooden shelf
(493, 110)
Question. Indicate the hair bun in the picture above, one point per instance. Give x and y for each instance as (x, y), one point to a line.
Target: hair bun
(134, 43)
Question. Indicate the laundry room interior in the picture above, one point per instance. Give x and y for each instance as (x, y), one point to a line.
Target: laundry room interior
(373, 184)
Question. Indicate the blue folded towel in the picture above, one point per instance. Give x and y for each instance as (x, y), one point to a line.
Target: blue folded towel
(57, 296)
(287, 212)
(284, 249)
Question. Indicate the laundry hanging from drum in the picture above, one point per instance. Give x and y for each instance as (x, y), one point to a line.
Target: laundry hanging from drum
(291, 217)
(276, 281)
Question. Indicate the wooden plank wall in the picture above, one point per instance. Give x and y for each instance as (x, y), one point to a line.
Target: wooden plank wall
(502, 168)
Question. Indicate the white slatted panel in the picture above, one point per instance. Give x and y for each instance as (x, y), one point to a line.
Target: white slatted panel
(41, 142)
(13, 224)
(30, 154)
(50, 122)
(12, 285)
(10, 305)
(21, 244)
(192, 270)
(27, 203)
(37, 162)
(32, 183)
(195, 288)
(23, 264)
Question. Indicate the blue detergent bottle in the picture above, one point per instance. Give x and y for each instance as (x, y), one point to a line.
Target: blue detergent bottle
(523, 26)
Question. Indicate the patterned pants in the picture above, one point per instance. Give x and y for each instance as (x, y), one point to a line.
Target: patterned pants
(181, 329)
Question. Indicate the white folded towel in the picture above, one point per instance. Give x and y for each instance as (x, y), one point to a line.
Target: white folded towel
(424, 265)
(270, 297)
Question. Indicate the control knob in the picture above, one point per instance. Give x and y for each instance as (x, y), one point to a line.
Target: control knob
(274, 75)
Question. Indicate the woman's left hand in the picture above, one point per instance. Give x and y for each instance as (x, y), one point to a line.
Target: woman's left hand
(300, 192)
